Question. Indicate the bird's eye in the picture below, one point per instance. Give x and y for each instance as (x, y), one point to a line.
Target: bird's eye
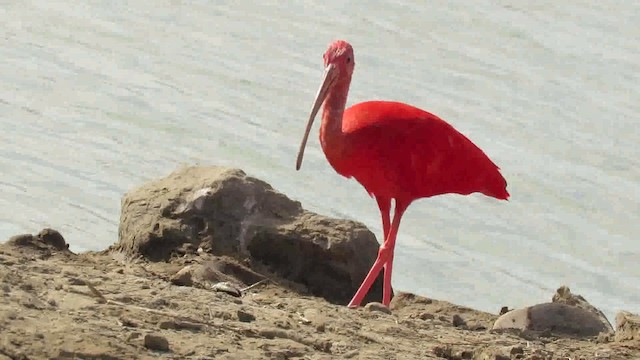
(348, 59)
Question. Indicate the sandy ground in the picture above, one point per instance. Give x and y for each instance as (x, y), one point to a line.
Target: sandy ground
(58, 305)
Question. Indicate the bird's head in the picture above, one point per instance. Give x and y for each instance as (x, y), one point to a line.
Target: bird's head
(339, 63)
(339, 56)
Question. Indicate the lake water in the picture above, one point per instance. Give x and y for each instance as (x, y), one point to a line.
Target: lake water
(97, 97)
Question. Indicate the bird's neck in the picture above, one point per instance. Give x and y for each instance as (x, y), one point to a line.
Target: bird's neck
(333, 110)
(331, 135)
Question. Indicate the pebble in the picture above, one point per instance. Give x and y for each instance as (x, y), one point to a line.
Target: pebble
(227, 287)
(443, 351)
(458, 321)
(53, 238)
(244, 316)
(426, 316)
(516, 350)
(315, 317)
(181, 325)
(376, 306)
(128, 322)
(183, 277)
(76, 281)
(156, 342)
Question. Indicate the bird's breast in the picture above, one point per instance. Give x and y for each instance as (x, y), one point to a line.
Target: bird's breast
(335, 150)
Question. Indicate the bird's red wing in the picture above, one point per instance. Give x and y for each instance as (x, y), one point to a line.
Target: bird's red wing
(382, 113)
(397, 150)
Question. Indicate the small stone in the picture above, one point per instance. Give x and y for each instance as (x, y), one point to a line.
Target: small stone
(315, 317)
(604, 337)
(52, 302)
(244, 316)
(376, 306)
(227, 287)
(278, 305)
(133, 336)
(504, 310)
(181, 325)
(516, 350)
(490, 353)
(351, 354)
(53, 238)
(124, 321)
(476, 327)
(426, 316)
(183, 277)
(159, 303)
(458, 321)
(76, 281)
(443, 351)
(156, 342)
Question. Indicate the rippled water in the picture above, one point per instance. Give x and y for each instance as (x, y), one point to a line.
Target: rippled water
(99, 96)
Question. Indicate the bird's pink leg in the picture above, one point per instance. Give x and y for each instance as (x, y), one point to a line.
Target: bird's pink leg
(390, 244)
(384, 204)
(385, 255)
(369, 279)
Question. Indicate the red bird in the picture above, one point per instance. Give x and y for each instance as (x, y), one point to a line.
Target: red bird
(395, 151)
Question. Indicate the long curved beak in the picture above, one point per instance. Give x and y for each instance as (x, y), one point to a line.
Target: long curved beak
(330, 73)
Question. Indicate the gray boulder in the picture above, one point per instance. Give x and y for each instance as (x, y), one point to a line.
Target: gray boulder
(225, 212)
(566, 315)
(564, 295)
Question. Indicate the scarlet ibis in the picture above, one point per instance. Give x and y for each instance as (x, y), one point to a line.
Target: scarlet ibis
(396, 152)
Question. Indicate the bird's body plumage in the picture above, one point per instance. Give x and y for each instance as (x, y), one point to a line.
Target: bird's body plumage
(401, 152)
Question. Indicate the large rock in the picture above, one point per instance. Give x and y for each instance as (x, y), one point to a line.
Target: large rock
(564, 295)
(226, 212)
(567, 314)
(556, 318)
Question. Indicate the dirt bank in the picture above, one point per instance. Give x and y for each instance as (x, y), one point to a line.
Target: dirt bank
(56, 304)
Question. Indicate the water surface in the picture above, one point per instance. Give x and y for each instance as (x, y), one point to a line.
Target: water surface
(97, 97)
